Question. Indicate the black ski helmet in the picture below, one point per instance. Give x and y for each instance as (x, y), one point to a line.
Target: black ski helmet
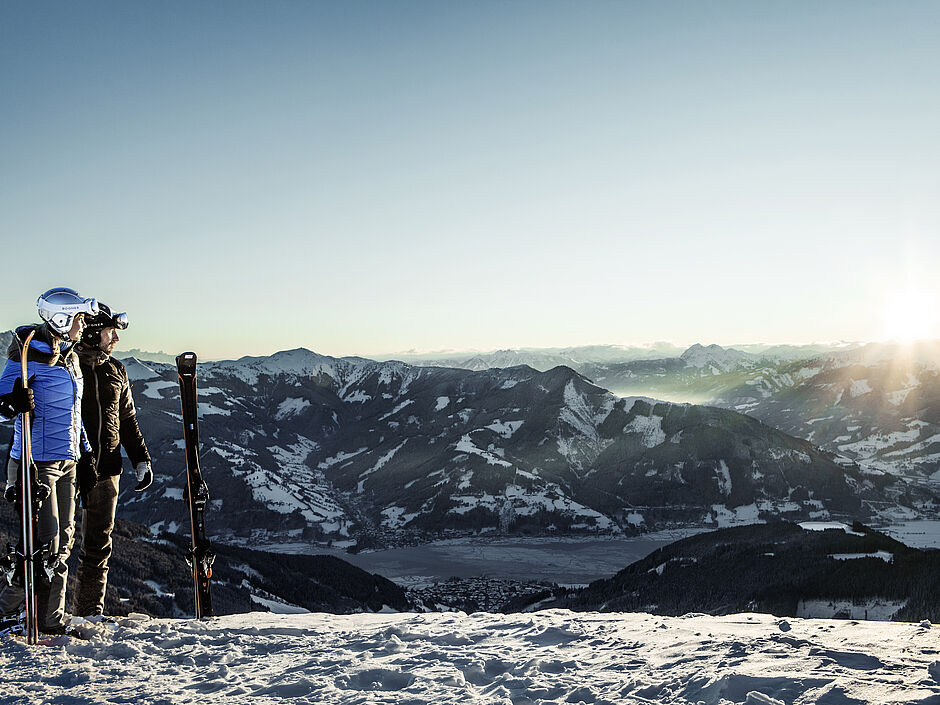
(104, 319)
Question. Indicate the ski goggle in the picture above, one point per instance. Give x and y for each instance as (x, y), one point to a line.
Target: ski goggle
(119, 320)
(63, 321)
(59, 307)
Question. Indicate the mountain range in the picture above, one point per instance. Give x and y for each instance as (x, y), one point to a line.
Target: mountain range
(579, 357)
(300, 447)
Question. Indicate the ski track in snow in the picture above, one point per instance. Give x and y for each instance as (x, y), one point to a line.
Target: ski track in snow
(540, 658)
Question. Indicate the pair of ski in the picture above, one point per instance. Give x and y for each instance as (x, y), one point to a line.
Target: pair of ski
(201, 556)
(29, 512)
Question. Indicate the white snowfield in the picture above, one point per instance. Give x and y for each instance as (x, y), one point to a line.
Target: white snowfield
(546, 657)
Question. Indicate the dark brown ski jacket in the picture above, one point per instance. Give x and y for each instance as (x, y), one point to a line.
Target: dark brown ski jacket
(108, 412)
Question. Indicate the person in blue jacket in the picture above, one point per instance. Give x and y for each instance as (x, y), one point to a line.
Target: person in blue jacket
(58, 442)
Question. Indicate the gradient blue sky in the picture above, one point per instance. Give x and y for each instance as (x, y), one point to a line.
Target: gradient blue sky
(371, 177)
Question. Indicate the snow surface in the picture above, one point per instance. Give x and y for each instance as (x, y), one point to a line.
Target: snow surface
(917, 534)
(875, 609)
(650, 428)
(505, 428)
(152, 389)
(540, 658)
(290, 407)
(860, 387)
(739, 516)
(207, 409)
(883, 555)
(826, 525)
(577, 412)
(465, 445)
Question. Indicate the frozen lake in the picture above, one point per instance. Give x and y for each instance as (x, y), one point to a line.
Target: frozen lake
(570, 561)
(565, 561)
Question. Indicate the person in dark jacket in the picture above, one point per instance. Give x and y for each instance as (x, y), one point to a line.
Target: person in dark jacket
(111, 423)
(53, 396)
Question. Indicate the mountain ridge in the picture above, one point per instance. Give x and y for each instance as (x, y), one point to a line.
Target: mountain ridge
(350, 449)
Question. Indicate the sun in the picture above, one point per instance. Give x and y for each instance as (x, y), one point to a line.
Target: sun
(910, 315)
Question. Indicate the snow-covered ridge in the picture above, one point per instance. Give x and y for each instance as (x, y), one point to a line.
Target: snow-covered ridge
(722, 359)
(137, 370)
(298, 362)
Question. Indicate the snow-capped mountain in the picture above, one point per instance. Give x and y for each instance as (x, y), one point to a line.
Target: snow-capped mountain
(715, 358)
(699, 374)
(299, 446)
(879, 405)
(542, 359)
(800, 351)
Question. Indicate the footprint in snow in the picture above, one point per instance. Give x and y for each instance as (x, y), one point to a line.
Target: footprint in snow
(553, 636)
(376, 679)
(850, 659)
(481, 673)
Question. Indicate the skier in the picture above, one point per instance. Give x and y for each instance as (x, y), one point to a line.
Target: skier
(58, 441)
(111, 421)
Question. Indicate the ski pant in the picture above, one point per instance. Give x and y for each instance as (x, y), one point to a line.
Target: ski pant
(97, 525)
(56, 531)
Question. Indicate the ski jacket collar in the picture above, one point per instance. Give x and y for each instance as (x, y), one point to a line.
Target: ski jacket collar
(91, 357)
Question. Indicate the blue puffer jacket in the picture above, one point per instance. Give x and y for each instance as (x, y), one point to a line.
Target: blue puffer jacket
(57, 432)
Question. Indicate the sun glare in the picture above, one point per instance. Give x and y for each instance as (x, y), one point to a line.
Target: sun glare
(909, 316)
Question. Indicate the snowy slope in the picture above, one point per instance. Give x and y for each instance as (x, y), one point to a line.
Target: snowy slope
(487, 659)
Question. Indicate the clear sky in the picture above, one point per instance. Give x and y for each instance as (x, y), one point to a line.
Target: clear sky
(371, 177)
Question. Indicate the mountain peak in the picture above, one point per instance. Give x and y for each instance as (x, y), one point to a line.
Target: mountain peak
(299, 361)
(699, 355)
(137, 370)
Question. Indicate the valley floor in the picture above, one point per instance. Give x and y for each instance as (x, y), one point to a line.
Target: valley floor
(545, 657)
(564, 560)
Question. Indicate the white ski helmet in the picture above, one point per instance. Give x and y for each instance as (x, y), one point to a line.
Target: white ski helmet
(59, 306)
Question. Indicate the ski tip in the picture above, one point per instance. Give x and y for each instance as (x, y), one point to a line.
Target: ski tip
(186, 361)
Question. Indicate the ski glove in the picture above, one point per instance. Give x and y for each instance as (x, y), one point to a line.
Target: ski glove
(40, 495)
(144, 476)
(19, 400)
(86, 475)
